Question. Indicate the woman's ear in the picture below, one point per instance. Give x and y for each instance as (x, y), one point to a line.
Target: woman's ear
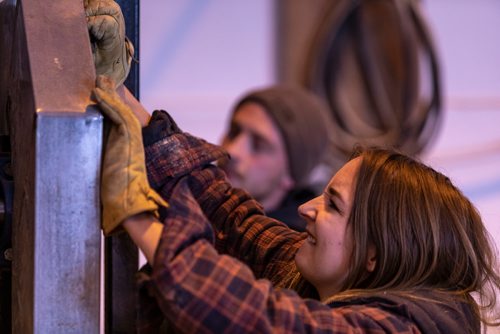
(371, 260)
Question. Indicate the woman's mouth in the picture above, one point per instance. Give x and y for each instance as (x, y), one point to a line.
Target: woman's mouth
(310, 238)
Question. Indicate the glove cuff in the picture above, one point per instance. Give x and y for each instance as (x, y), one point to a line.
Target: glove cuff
(160, 125)
(178, 155)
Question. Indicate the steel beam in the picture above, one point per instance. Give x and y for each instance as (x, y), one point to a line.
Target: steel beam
(121, 255)
(56, 141)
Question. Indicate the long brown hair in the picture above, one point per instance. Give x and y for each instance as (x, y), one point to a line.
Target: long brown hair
(426, 233)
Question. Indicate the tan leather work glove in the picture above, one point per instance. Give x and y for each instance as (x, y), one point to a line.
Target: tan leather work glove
(112, 50)
(125, 190)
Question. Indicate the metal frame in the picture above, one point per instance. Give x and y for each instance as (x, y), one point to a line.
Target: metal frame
(56, 154)
(121, 254)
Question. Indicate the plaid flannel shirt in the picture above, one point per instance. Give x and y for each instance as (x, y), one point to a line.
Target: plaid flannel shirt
(221, 264)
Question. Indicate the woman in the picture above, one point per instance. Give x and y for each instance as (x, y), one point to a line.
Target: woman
(391, 246)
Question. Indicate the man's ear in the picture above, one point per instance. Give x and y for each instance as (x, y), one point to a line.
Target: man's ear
(287, 183)
(371, 259)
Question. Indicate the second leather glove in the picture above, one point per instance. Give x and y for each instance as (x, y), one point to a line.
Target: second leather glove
(125, 190)
(112, 51)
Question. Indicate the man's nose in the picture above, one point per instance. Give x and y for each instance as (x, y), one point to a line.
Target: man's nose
(237, 146)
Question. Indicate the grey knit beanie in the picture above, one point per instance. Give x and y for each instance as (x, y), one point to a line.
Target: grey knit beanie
(304, 122)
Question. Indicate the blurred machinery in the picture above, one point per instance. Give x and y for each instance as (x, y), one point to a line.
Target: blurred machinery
(375, 64)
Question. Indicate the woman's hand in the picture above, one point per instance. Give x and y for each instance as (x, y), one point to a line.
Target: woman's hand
(125, 189)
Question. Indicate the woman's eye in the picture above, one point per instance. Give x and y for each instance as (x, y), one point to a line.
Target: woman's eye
(332, 205)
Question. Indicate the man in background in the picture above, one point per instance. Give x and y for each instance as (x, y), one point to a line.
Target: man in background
(278, 138)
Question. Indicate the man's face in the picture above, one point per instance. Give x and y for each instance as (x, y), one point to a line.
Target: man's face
(259, 163)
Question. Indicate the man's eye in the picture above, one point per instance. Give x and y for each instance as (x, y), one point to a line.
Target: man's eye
(233, 132)
(259, 145)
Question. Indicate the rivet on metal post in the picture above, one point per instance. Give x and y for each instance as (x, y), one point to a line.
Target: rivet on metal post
(7, 254)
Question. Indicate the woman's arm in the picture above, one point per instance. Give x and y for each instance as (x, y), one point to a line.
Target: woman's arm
(242, 230)
(200, 290)
(145, 231)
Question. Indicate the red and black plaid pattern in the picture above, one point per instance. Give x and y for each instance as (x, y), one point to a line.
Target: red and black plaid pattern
(177, 155)
(200, 290)
(220, 260)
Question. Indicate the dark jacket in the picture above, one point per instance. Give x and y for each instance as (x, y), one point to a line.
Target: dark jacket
(287, 210)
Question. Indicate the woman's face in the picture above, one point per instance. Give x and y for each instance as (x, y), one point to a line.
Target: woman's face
(324, 257)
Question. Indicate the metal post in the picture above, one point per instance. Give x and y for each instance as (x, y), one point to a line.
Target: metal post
(56, 141)
(121, 255)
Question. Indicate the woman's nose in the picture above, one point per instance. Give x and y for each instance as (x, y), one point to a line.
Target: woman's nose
(308, 210)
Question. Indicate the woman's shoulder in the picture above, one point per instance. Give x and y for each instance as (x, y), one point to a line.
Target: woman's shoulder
(428, 310)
